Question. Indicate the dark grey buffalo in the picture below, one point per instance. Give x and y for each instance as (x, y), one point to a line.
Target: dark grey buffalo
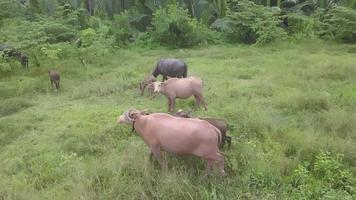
(54, 77)
(170, 67)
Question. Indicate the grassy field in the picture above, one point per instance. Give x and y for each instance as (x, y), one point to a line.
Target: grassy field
(292, 109)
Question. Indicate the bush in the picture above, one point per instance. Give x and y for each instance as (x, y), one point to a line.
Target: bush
(173, 27)
(88, 36)
(4, 65)
(340, 23)
(14, 33)
(248, 22)
(57, 32)
(301, 25)
(323, 179)
(55, 51)
(122, 29)
(10, 9)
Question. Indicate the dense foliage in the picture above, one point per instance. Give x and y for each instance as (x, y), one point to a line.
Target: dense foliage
(170, 23)
(250, 23)
(173, 26)
(340, 23)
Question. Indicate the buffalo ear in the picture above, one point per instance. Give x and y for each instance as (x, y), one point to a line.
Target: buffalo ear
(133, 114)
(145, 112)
(164, 84)
(152, 78)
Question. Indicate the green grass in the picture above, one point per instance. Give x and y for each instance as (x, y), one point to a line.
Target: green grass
(286, 103)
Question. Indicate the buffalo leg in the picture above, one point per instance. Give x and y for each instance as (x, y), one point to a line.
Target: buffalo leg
(143, 87)
(209, 165)
(197, 101)
(218, 158)
(156, 151)
(150, 155)
(169, 104)
(201, 99)
(223, 140)
(222, 143)
(51, 83)
(150, 93)
(221, 163)
(173, 104)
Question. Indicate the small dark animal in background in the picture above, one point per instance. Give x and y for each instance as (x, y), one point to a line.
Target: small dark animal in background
(171, 67)
(54, 77)
(11, 52)
(221, 124)
(24, 60)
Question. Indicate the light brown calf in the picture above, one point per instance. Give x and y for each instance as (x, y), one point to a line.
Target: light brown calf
(181, 88)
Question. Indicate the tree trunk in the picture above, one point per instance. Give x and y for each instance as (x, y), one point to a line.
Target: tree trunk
(190, 6)
(90, 6)
(123, 5)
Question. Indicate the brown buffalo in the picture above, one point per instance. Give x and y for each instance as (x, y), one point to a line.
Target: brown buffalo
(54, 77)
(221, 124)
(151, 88)
(181, 88)
(162, 131)
(147, 81)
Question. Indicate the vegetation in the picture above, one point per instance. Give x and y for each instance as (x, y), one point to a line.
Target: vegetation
(289, 97)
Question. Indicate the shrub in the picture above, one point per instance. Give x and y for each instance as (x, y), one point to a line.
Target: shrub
(10, 9)
(51, 52)
(248, 22)
(340, 23)
(66, 37)
(301, 25)
(4, 65)
(77, 18)
(54, 51)
(122, 28)
(14, 33)
(323, 179)
(172, 26)
(57, 32)
(88, 36)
